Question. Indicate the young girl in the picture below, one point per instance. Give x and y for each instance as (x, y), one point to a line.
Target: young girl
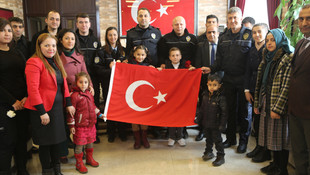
(140, 56)
(271, 95)
(82, 124)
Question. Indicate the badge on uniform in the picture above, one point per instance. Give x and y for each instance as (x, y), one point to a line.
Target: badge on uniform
(153, 35)
(95, 44)
(245, 36)
(96, 60)
(188, 38)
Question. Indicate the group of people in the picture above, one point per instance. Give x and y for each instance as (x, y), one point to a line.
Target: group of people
(58, 78)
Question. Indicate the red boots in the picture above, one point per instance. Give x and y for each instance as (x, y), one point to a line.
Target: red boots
(89, 157)
(141, 137)
(79, 165)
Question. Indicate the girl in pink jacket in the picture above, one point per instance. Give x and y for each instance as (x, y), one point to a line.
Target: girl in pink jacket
(82, 124)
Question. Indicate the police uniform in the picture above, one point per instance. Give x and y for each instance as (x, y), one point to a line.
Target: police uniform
(186, 43)
(231, 57)
(148, 37)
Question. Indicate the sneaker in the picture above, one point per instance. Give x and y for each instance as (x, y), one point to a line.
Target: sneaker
(182, 142)
(170, 142)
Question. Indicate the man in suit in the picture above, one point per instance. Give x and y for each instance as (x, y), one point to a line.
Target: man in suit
(299, 95)
(205, 56)
(210, 20)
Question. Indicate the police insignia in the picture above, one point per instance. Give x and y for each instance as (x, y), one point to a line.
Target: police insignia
(188, 38)
(245, 36)
(153, 35)
(95, 44)
(96, 60)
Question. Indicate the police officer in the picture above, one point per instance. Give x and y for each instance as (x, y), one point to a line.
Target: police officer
(180, 38)
(144, 34)
(89, 44)
(232, 53)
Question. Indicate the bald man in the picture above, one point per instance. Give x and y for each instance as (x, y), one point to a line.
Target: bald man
(180, 38)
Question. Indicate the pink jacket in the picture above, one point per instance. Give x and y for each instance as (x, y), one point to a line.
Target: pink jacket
(73, 64)
(85, 114)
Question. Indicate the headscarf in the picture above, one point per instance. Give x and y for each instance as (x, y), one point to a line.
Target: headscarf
(281, 42)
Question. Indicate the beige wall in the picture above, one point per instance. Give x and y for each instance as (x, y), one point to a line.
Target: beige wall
(15, 5)
(109, 17)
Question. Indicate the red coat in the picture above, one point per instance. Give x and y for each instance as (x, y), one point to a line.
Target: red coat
(84, 104)
(41, 85)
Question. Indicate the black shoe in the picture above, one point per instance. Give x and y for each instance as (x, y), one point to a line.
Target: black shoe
(97, 140)
(241, 148)
(262, 156)
(269, 169)
(185, 134)
(57, 169)
(207, 156)
(219, 161)
(228, 144)
(200, 136)
(255, 151)
(111, 139)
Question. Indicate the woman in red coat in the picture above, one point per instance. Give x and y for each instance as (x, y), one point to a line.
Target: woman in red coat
(47, 95)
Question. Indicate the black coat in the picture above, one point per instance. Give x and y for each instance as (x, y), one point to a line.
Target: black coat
(23, 45)
(186, 43)
(170, 66)
(148, 37)
(232, 54)
(213, 111)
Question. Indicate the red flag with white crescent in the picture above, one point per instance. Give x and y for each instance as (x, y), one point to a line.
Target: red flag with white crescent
(144, 95)
(162, 13)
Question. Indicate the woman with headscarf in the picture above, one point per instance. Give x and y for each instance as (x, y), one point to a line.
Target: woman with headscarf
(271, 95)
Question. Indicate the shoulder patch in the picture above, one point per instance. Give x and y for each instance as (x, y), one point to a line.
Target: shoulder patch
(188, 38)
(96, 60)
(245, 36)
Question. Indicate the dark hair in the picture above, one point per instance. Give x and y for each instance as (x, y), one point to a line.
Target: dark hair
(215, 77)
(143, 8)
(212, 16)
(107, 46)
(52, 11)
(174, 49)
(16, 19)
(248, 20)
(60, 46)
(264, 25)
(82, 74)
(82, 15)
(142, 47)
(3, 23)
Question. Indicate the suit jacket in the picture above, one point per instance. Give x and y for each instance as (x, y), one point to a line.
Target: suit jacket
(202, 54)
(299, 91)
(41, 85)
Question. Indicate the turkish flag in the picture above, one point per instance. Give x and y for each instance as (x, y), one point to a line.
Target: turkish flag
(162, 13)
(144, 95)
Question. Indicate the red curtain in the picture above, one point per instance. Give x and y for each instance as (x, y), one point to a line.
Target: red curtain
(241, 4)
(232, 3)
(273, 20)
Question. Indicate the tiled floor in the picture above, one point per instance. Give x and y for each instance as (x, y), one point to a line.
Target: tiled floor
(119, 158)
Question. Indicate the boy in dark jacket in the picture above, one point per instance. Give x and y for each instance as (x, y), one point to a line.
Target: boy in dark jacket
(213, 113)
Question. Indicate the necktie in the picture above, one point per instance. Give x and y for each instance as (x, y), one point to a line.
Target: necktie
(304, 46)
(212, 53)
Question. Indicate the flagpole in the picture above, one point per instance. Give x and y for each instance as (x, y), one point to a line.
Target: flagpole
(110, 91)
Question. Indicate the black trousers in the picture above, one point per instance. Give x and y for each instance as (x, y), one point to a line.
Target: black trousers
(300, 137)
(49, 155)
(13, 140)
(112, 126)
(214, 136)
(237, 113)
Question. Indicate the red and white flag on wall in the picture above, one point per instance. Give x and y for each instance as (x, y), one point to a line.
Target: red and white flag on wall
(144, 95)
(162, 13)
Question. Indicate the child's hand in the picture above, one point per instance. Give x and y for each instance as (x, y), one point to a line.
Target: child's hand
(125, 61)
(71, 110)
(163, 66)
(151, 66)
(191, 68)
(72, 130)
(112, 64)
(205, 70)
(159, 68)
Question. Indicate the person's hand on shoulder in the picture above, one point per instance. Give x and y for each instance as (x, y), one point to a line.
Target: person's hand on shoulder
(71, 110)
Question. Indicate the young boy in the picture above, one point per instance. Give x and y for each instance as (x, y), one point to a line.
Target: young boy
(213, 113)
(175, 133)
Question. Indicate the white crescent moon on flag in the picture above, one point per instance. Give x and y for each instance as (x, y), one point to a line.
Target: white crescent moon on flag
(129, 95)
(134, 10)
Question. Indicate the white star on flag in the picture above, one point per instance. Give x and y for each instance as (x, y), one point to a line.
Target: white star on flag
(160, 97)
(162, 10)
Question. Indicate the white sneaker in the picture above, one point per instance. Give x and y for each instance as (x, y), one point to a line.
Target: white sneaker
(170, 142)
(182, 142)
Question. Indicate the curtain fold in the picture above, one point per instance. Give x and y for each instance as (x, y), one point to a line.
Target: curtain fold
(271, 7)
(241, 4)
